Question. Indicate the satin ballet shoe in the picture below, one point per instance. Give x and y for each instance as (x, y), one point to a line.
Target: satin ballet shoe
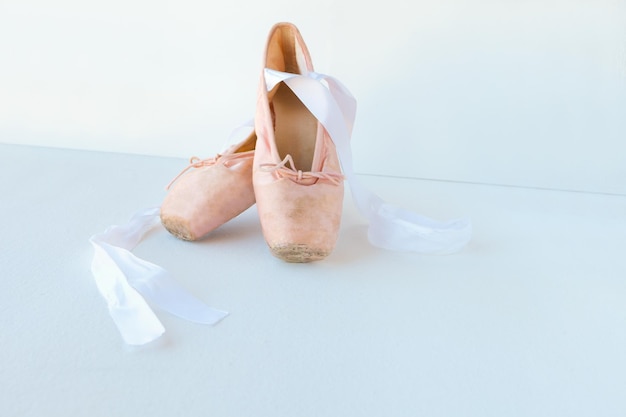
(210, 192)
(297, 175)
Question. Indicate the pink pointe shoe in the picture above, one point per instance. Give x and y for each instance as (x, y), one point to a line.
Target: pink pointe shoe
(297, 175)
(219, 189)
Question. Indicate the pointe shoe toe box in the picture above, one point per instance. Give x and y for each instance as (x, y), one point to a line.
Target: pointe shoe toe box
(206, 198)
(300, 222)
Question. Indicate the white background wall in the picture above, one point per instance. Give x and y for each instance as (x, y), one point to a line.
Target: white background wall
(529, 93)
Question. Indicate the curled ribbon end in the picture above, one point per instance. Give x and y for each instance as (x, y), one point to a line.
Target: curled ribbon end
(401, 230)
(126, 281)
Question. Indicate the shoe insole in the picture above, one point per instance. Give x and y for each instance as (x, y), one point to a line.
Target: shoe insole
(295, 128)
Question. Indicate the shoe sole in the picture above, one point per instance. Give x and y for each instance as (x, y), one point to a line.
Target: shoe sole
(178, 227)
(298, 253)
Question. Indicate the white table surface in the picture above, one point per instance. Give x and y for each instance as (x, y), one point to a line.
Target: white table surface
(528, 320)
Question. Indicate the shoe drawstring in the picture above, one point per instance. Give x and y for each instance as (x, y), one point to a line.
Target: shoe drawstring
(195, 162)
(284, 171)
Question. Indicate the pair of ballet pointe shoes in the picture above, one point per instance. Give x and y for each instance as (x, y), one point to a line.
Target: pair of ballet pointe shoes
(288, 166)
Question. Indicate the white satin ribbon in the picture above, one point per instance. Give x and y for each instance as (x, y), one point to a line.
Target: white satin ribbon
(126, 281)
(390, 227)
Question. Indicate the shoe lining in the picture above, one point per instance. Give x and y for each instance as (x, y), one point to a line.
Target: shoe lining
(295, 128)
(283, 52)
